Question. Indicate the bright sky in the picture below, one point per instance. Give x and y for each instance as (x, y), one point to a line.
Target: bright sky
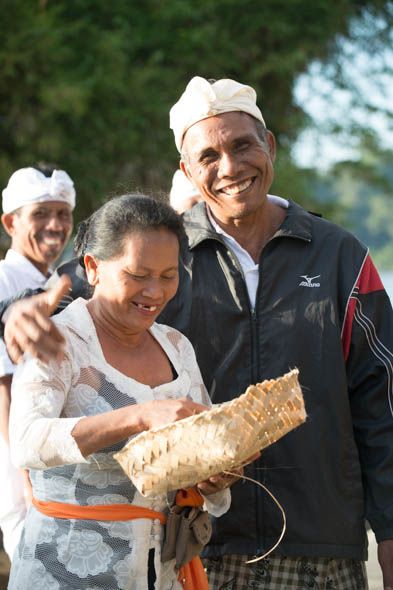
(326, 103)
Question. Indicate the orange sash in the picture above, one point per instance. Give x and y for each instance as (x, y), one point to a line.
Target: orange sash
(192, 576)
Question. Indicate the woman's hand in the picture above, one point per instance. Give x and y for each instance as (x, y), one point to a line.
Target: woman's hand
(159, 412)
(93, 433)
(219, 482)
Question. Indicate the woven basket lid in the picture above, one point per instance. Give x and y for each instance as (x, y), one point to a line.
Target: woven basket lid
(184, 453)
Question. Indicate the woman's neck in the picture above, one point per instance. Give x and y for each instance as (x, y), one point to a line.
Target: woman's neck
(108, 329)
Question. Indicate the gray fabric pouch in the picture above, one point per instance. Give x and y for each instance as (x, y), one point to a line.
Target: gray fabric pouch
(187, 531)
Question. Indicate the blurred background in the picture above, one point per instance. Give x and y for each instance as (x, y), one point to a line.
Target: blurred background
(87, 84)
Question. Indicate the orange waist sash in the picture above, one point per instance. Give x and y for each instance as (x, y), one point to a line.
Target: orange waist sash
(97, 512)
(192, 576)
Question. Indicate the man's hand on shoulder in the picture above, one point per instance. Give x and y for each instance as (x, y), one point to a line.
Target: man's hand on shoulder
(29, 328)
(385, 558)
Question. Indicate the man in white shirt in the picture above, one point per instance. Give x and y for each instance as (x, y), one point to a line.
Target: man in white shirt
(37, 215)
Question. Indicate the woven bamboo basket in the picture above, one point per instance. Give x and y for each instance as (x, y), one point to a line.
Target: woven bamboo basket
(184, 453)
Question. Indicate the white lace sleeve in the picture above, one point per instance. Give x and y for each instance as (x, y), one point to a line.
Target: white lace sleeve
(39, 438)
(198, 391)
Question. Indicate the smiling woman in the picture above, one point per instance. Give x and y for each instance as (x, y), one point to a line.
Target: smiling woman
(133, 266)
(122, 374)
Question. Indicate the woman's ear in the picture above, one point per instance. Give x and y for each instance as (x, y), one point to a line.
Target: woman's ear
(91, 268)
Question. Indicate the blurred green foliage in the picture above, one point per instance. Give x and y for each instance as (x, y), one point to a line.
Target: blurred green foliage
(88, 83)
(359, 195)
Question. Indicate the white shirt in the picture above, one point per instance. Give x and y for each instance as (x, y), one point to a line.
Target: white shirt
(16, 273)
(249, 268)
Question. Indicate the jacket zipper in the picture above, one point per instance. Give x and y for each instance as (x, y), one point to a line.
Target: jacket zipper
(254, 377)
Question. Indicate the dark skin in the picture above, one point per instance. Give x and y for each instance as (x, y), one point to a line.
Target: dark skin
(232, 168)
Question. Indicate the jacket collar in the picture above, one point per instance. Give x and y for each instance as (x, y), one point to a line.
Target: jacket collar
(297, 224)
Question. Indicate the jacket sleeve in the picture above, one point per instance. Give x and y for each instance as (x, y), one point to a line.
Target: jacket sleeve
(368, 349)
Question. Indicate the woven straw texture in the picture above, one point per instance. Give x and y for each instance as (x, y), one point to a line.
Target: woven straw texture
(183, 453)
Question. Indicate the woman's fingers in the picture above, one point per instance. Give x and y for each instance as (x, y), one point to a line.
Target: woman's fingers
(224, 480)
(219, 482)
(159, 412)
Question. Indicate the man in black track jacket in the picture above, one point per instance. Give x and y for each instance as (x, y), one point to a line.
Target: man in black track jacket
(265, 287)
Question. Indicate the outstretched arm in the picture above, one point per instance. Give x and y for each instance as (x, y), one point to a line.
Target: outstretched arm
(28, 326)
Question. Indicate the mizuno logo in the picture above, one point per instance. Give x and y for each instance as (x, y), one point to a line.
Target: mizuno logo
(309, 281)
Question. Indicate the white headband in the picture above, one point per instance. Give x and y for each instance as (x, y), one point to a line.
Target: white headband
(182, 189)
(201, 100)
(28, 185)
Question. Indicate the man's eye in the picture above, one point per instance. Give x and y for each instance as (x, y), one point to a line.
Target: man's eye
(208, 157)
(241, 146)
(138, 277)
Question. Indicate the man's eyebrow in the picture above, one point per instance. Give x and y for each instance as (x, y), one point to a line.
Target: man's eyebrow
(245, 137)
(237, 139)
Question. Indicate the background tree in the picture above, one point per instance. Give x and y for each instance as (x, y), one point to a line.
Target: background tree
(88, 83)
(359, 196)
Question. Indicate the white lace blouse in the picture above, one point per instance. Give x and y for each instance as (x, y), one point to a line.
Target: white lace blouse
(47, 402)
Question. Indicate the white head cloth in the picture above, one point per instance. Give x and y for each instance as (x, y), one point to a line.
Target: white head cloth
(182, 189)
(201, 100)
(28, 185)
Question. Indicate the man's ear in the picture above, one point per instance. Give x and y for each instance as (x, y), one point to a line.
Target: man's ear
(271, 142)
(184, 169)
(7, 219)
(91, 268)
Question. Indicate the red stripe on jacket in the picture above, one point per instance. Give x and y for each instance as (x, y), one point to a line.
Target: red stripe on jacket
(368, 282)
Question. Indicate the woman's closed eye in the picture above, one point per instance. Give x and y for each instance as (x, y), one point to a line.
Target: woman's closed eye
(138, 277)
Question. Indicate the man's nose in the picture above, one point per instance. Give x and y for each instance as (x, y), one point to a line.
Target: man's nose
(228, 165)
(54, 223)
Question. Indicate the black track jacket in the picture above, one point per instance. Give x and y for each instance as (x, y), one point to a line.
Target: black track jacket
(320, 307)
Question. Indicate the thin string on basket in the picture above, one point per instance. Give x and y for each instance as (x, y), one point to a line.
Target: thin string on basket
(284, 518)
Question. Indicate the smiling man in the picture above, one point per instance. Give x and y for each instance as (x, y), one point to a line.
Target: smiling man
(269, 287)
(37, 215)
(264, 287)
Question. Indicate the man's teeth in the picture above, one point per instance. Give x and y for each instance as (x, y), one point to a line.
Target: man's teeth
(52, 241)
(147, 307)
(235, 189)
